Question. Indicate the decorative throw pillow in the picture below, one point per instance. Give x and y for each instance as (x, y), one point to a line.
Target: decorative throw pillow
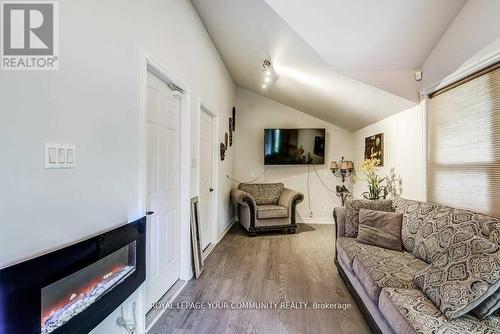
(263, 193)
(414, 214)
(488, 307)
(380, 228)
(463, 277)
(430, 229)
(352, 212)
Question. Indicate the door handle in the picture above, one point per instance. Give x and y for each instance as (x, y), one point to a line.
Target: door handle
(150, 213)
(211, 189)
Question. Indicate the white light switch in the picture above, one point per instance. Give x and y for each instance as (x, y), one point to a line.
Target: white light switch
(52, 155)
(62, 156)
(59, 156)
(69, 156)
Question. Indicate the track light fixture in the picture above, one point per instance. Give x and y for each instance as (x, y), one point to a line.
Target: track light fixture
(267, 77)
(267, 64)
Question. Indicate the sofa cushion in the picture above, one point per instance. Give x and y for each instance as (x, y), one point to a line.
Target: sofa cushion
(271, 211)
(352, 212)
(410, 311)
(263, 193)
(381, 270)
(430, 229)
(350, 249)
(380, 228)
(463, 277)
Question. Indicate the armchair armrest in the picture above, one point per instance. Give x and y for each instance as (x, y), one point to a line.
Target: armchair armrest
(243, 198)
(247, 209)
(339, 216)
(289, 197)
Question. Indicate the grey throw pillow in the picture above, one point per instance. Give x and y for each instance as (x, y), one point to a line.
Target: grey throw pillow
(352, 212)
(380, 228)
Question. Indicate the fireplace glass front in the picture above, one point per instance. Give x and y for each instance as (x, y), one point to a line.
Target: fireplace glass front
(69, 296)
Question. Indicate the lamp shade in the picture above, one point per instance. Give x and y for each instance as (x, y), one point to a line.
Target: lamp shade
(334, 165)
(344, 165)
(350, 165)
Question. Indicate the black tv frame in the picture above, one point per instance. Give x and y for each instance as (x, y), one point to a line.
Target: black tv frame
(293, 164)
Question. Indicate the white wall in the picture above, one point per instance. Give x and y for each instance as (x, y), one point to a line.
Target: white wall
(403, 149)
(473, 35)
(93, 102)
(254, 114)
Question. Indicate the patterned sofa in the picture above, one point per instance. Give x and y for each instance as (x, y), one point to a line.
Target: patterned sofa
(266, 207)
(388, 286)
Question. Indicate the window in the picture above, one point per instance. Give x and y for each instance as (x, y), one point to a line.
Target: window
(464, 144)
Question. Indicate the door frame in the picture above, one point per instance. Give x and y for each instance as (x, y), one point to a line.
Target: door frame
(204, 107)
(151, 64)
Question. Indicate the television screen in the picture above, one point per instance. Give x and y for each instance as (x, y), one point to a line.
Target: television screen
(294, 146)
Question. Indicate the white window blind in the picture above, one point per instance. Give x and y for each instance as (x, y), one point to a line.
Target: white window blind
(464, 144)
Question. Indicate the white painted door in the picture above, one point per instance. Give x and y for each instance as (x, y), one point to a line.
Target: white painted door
(206, 174)
(162, 188)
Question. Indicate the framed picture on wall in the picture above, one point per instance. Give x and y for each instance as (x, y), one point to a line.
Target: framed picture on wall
(374, 148)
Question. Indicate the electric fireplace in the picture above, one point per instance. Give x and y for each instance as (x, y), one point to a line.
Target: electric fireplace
(73, 289)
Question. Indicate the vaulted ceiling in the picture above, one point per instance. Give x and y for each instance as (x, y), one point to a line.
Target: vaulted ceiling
(350, 63)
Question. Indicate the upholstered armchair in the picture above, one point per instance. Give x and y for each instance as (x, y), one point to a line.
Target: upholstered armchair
(266, 207)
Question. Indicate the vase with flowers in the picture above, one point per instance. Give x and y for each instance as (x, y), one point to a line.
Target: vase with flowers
(376, 188)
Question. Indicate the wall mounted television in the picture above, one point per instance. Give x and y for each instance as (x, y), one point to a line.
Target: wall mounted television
(294, 146)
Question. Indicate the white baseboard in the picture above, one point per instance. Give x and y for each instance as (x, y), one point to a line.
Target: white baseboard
(316, 221)
(226, 229)
(170, 300)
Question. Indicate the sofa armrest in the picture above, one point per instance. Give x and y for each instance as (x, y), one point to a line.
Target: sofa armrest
(289, 197)
(243, 198)
(339, 216)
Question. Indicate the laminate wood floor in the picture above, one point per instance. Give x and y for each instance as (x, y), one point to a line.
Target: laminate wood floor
(272, 267)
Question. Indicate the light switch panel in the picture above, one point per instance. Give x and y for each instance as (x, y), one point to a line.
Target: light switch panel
(59, 156)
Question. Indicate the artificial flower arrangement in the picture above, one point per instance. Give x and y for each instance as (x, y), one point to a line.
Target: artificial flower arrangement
(376, 187)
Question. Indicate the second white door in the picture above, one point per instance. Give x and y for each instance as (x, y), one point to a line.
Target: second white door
(206, 177)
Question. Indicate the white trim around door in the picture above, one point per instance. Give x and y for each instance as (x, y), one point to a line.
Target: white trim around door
(151, 64)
